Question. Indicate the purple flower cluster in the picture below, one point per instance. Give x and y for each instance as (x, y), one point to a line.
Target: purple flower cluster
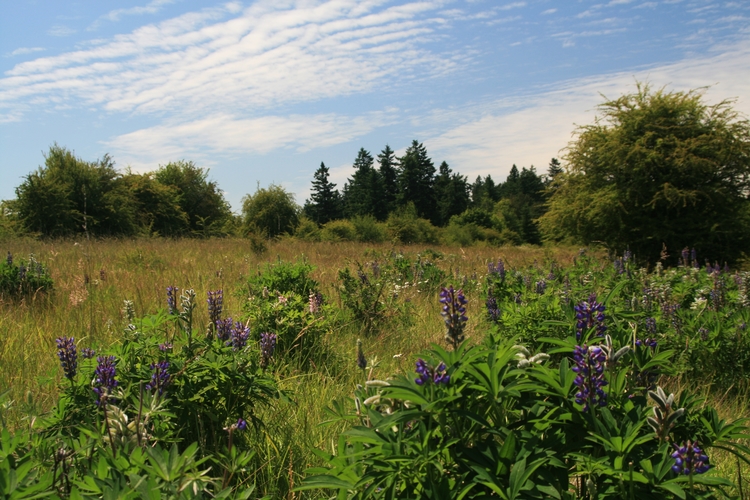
(224, 329)
(267, 347)
(590, 365)
(361, 360)
(619, 265)
(241, 424)
(651, 326)
(238, 336)
(87, 353)
(160, 377)
(540, 287)
(172, 292)
(9, 259)
(648, 342)
(497, 270)
(493, 310)
(690, 459)
(589, 314)
(454, 312)
(66, 351)
(104, 377)
(427, 374)
(315, 301)
(215, 305)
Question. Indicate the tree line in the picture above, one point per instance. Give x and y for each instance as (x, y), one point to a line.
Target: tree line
(656, 173)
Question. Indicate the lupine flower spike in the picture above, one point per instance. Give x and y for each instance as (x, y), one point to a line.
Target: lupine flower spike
(428, 374)
(267, 347)
(361, 360)
(454, 312)
(104, 377)
(690, 459)
(665, 416)
(160, 377)
(66, 351)
(589, 365)
(590, 314)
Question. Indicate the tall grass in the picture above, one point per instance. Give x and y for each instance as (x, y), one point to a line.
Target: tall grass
(93, 277)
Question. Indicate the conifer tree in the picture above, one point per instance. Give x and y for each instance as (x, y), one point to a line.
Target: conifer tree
(363, 194)
(324, 204)
(387, 168)
(416, 178)
(451, 193)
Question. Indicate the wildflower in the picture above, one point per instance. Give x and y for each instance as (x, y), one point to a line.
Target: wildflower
(589, 365)
(283, 300)
(492, 308)
(648, 342)
(315, 301)
(215, 305)
(690, 459)
(66, 351)
(589, 314)
(619, 266)
(361, 360)
(694, 259)
(9, 259)
(375, 269)
(427, 374)
(497, 270)
(540, 287)
(104, 377)
(160, 377)
(87, 353)
(165, 347)
(238, 336)
(685, 256)
(172, 292)
(241, 424)
(128, 310)
(267, 347)
(224, 329)
(651, 326)
(363, 277)
(454, 313)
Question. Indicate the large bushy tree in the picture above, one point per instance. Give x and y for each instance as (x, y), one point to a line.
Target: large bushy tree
(657, 168)
(69, 195)
(202, 201)
(270, 211)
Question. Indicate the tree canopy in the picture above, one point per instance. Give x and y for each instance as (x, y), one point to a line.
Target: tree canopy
(657, 169)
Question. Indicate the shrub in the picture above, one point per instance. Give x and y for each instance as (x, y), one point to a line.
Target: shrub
(339, 230)
(405, 227)
(369, 230)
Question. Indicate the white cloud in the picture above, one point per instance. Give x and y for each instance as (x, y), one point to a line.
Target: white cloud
(548, 12)
(529, 130)
(514, 5)
(223, 133)
(25, 50)
(215, 59)
(60, 30)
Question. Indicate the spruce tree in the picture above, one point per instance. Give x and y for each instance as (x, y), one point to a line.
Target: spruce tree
(389, 175)
(451, 193)
(416, 178)
(325, 202)
(364, 190)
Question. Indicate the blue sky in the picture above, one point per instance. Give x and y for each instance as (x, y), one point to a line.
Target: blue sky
(263, 91)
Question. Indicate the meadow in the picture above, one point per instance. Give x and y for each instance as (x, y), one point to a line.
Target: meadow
(389, 299)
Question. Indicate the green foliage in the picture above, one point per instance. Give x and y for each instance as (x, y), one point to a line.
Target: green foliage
(416, 179)
(364, 192)
(338, 230)
(369, 230)
(325, 202)
(23, 278)
(69, 196)
(270, 212)
(159, 205)
(404, 226)
(199, 199)
(657, 168)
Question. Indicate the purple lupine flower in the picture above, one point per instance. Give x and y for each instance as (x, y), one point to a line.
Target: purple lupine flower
(87, 353)
(651, 326)
(104, 377)
(224, 329)
(238, 336)
(627, 255)
(694, 259)
(267, 347)
(517, 299)
(717, 295)
(315, 301)
(619, 266)
(589, 314)
(648, 342)
(454, 312)
(66, 351)
(241, 424)
(670, 312)
(363, 277)
(589, 365)
(172, 292)
(492, 308)
(703, 333)
(427, 374)
(540, 286)
(22, 272)
(215, 305)
(375, 269)
(690, 459)
(9, 259)
(361, 360)
(165, 347)
(160, 377)
(497, 270)
(684, 260)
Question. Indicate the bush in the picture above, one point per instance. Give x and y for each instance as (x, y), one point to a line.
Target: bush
(307, 230)
(270, 212)
(339, 230)
(405, 227)
(369, 230)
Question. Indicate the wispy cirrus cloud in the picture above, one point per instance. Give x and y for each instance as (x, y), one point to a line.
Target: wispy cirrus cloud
(268, 54)
(115, 15)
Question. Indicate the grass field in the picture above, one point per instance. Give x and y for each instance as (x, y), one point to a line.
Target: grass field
(94, 278)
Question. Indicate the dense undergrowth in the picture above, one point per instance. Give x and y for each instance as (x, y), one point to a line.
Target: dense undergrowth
(548, 377)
